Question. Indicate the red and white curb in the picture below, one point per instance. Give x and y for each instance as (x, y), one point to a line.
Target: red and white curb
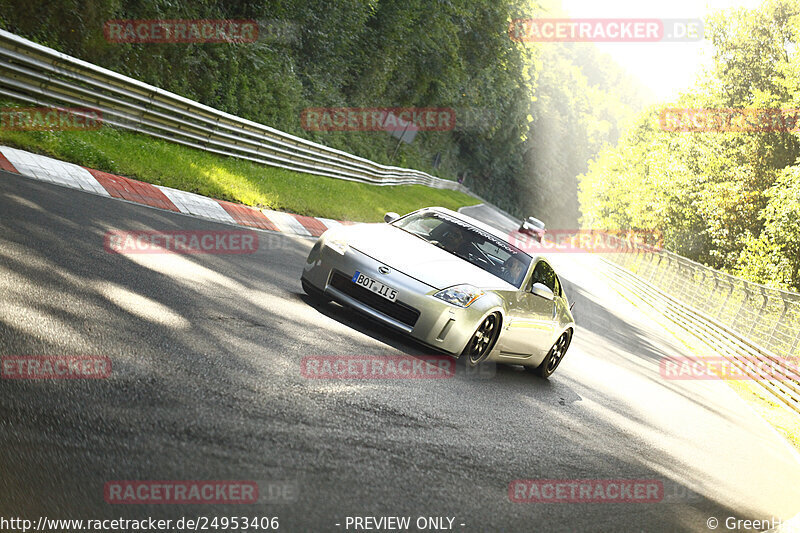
(110, 185)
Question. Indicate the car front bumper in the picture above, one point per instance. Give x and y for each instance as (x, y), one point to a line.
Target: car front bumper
(439, 324)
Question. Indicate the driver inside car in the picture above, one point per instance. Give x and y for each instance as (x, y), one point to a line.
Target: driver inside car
(454, 241)
(514, 270)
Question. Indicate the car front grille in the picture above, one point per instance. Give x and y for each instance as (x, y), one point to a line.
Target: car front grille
(397, 310)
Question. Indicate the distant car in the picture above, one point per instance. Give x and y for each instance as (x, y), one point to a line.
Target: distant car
(534, 227)
(449, 281)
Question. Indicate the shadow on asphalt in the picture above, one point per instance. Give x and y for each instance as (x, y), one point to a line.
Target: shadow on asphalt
(206, 385)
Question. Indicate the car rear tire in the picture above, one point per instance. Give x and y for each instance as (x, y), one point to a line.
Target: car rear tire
(482, 341)
(554, 356)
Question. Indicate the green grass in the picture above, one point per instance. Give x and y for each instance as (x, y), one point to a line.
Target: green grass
(163, 163)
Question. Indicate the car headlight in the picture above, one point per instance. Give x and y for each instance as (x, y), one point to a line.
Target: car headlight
(460, 295)
(337, 245)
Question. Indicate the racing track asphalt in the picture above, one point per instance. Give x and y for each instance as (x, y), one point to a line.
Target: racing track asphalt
(206, 384)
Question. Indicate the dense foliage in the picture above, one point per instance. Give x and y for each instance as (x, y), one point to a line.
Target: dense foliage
(730, 199)
(533, 114)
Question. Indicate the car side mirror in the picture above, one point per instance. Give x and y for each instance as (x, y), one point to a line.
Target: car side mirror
(390, 217)
(543, 291)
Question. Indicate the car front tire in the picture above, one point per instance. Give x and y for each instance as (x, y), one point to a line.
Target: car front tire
(483, 340)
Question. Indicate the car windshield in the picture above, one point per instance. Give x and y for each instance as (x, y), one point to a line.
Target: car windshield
(472, 244)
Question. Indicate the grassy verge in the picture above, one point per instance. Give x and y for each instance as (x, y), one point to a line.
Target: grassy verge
(162, 163)
(782, 419)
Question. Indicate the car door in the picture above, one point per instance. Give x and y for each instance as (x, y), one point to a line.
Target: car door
(530, 319)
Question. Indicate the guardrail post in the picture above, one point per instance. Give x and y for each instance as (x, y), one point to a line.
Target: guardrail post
(630, 259)
(145, 108)
(714, 290)
(727, 298)
(655, 260)
(796, 342)
(684, 270)
(696, 295)
(760, 312)
(213, 130)
(663, 270)
(775, 327)
(671, 282)
(746, 299)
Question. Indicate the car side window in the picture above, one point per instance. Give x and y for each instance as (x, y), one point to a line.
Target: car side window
(544, 273)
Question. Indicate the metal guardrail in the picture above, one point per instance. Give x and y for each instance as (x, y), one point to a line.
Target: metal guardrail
(34, 74)
(747, 323)
(768, 317)
(781, 382)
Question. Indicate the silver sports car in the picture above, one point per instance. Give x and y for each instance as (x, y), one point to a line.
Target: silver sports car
(448, 281)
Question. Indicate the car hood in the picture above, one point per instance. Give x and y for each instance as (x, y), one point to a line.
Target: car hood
(417, 258)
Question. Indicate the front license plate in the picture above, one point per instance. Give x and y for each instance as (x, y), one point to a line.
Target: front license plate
(375, 286)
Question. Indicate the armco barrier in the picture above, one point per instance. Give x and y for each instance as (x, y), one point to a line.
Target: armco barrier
(34, 74)
(767, 316)
(728, 343)
(706, 303)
